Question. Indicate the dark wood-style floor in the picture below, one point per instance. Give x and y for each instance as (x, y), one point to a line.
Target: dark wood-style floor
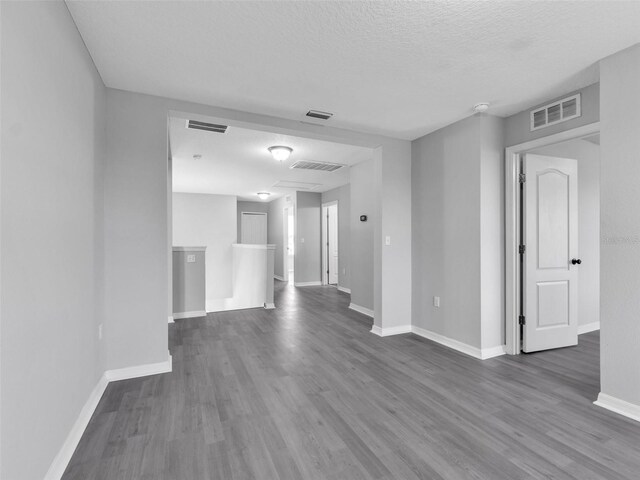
(306, 392)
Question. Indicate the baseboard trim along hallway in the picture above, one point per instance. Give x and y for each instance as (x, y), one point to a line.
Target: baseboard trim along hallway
(307, 284)
(60, 462)
(589, 327)
(482, 354)
(618, 406)
(344, 289)
(195, 314)
(365, 311)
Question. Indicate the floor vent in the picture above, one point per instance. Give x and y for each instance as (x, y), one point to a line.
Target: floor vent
(319, 166)
(556, 112)
(209, 127)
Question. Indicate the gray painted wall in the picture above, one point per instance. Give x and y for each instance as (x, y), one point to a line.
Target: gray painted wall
(518, 126)
(208, 220)
(52, 229)
(362, 234)
(446, 231)
(457, 213)
(588, 156)
(343, 196)
(275, 232)
(251, 207)
(189, 292)
(620, 225)
(308, 265)
(136, 230)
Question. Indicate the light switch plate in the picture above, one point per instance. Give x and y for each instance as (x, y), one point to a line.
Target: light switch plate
(387, 240)
(436, 302)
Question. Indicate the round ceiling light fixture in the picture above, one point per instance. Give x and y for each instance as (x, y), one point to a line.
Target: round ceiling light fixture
(280, 152)
(197, 156)
(481, 107)
(263, 195)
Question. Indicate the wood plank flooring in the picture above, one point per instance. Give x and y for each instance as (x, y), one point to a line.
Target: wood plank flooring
(306, 392)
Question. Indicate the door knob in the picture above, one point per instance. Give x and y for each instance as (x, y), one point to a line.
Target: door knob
(576, 261)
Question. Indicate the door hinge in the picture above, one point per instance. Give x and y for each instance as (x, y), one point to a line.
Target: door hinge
(521, 249)
(521, 320)
(522, 178)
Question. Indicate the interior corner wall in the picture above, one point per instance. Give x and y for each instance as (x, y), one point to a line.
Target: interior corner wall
(588, 156)
(620, 226)
(307, 260)
(136, 230)
(492, 224)
(244, 206)
(518, 126)
(52, 230)
(210, 221)
(446, 231)
(275, 232)
(343, 196)
(362, 233)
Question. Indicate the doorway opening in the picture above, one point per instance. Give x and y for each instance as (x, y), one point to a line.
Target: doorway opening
(330, 255)
(552, 240)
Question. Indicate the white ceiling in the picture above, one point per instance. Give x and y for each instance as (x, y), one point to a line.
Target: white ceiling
(398, 68)
(238, 162)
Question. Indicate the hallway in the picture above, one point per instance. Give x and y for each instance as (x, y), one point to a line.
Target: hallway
(306, 392)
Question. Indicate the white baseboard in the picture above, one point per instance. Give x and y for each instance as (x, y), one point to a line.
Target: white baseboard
(139, 370)
(171, 319)
(366, 311)
(622, 407)
(344, 289)
(387, 332)
(482, 354)
(194, 314)
(278, 277)
(269, 306)
(60, 462)
(589, 327)
(307, 284)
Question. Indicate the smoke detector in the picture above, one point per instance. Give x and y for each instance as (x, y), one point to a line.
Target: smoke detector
(481, 107)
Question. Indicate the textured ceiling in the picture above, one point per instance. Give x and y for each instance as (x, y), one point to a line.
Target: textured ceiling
(397, 68)
(238, 162)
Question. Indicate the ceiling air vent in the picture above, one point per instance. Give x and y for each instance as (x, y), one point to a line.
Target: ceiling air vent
(556, 112)
(320, 166)
(209, 127)
(319, 114)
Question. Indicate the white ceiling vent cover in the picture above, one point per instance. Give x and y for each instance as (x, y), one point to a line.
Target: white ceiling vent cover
(319, 166)
(556, 112)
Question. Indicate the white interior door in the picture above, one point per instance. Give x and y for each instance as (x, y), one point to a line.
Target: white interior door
(330, 244)
(551, 258)
(253, 227)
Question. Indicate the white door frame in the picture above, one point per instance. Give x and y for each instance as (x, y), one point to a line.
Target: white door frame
(512, 217)
(287, 210)
(324, 240)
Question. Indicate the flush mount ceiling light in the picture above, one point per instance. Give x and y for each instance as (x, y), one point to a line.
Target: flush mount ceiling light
(263, 195)
(481, 107)
(197, 156)
(280, 153)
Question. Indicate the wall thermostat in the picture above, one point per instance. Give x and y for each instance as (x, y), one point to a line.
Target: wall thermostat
(363, 218)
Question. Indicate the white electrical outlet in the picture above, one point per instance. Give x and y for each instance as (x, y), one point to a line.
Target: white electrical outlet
(191, 259)
(302, 240)
(436, 302)
(100, 332)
